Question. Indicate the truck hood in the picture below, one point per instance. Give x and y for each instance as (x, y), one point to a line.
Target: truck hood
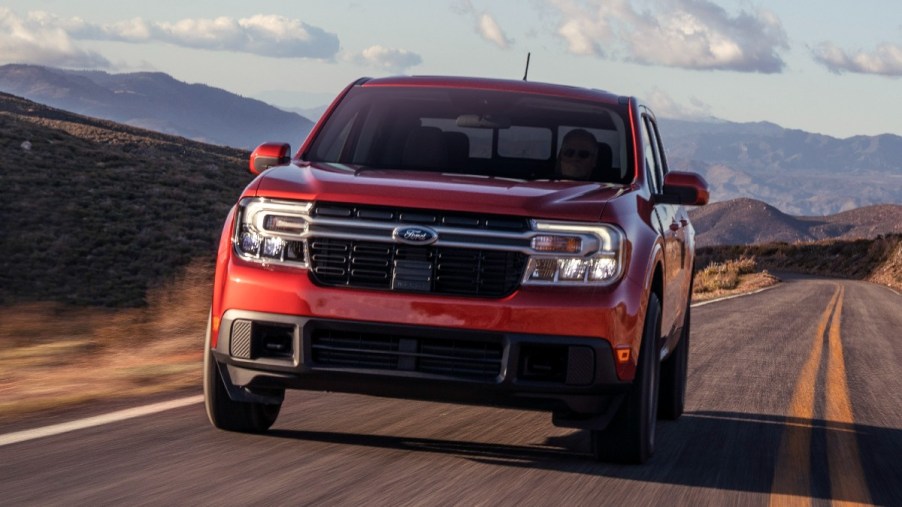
(550, 199)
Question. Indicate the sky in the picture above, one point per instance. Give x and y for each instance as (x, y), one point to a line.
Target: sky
(831, 67)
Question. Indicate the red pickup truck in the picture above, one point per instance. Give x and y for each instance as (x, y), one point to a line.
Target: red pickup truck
(432, 240)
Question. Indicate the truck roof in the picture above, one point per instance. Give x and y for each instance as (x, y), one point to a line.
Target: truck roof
(510, 85)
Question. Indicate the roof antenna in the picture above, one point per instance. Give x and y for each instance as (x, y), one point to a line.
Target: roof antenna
(526, 73)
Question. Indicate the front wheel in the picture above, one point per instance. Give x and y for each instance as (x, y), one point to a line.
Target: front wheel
(674, 371)
(225, 413)
(630, 437)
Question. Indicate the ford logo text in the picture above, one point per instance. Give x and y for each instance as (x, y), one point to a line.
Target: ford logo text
(415, 235)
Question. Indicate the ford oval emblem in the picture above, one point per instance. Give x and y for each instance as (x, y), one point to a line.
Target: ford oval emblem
(414, 235)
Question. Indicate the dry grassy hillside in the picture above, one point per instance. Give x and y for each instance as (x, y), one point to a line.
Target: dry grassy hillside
(96, 213)
(878, 260)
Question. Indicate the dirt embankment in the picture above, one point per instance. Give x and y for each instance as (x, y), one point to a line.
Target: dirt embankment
(875, 260)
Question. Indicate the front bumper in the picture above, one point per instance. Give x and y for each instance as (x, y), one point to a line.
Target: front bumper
(612, 314)
(573, 377)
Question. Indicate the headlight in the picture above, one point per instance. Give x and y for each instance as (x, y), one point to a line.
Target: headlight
(272, 232)
(574, 254)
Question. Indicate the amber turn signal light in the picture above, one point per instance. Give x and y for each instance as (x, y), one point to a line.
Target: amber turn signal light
(623, 355)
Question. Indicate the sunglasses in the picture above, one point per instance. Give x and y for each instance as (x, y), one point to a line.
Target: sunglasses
(574, 153)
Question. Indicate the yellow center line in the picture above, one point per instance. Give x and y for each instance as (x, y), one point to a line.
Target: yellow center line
(792, 475)
(847, 483)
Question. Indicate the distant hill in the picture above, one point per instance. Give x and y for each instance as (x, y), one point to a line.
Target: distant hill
(748, 221)
(798, 172)
(95, 213)
(156, 101)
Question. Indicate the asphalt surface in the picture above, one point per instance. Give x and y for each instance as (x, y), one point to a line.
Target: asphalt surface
(795, 397)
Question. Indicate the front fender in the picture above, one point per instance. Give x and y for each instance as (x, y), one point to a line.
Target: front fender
(223, 255)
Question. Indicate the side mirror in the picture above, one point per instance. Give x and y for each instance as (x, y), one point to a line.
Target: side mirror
(269, 154)
(684, 188)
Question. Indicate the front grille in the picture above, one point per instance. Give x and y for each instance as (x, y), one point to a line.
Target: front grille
(452, 271)
(464, 359)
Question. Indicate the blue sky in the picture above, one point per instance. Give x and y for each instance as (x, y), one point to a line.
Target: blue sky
(831, 67)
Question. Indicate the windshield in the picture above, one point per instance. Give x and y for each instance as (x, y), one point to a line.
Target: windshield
(488, 133)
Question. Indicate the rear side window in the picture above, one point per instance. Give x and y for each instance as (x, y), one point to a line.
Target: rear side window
(652, 156)
(481, 132)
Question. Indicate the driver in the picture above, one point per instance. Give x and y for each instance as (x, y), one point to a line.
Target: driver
(576, 159)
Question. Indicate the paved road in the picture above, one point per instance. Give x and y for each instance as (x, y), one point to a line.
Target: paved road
(795, 398)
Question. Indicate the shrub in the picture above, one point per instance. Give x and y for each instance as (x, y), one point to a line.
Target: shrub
(719, 276)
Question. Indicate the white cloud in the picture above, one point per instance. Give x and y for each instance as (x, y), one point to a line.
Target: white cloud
(265, 35)
(486, 25)
(36, 41)
(492, 32)
(885, 60)
(585, 34)
(690, 34)
(387, 59)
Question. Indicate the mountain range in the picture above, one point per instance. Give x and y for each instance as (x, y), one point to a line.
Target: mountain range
(745, 221)
(798, 172)
(156, 101)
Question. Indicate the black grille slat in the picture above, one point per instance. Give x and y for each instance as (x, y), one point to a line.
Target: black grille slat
(373, 249)
(355, 350)
(487, 352)
(464, 359)
(367, 274)
(455, 369)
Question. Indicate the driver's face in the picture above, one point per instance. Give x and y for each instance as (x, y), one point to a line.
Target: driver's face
(578, 158)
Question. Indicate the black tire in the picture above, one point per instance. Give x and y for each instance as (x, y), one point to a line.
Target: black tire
(225, 413)
(630, 437)
(674, 370)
